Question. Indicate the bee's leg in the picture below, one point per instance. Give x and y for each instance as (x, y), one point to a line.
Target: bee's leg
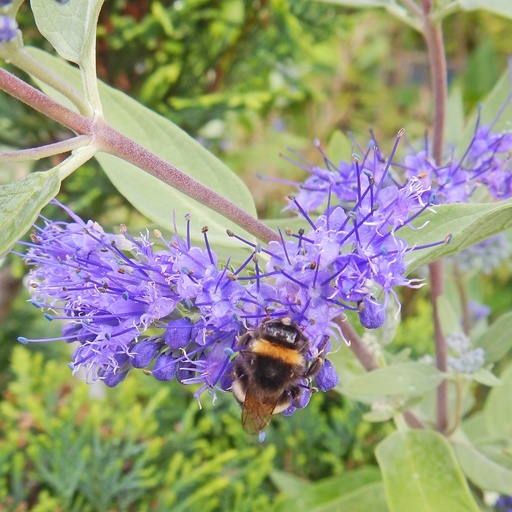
(244, 340)
(295, 392)
(318, 361)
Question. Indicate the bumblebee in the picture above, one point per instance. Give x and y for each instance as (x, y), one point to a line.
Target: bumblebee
(269, 370)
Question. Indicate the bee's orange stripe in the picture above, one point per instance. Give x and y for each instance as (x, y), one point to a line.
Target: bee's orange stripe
(268, 349)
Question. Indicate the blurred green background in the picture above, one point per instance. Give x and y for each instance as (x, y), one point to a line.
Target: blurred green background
(248, 79)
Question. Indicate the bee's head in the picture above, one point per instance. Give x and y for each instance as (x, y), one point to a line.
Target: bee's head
(284, 332)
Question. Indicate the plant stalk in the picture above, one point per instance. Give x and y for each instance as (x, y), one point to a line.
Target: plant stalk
(45, 151)
(433, 35)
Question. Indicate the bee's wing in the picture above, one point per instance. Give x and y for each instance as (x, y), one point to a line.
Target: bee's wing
(256, 413)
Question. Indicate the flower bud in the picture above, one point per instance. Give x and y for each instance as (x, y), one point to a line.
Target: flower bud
(143, 353)
(372, 314)
(327, 377)
(165, 367)
(112, 378)
(178, 333)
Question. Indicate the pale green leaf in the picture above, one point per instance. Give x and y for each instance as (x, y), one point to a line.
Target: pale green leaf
(467, 223)
(498, 407)
(339, 148)
(497, 339)
(500, 7)
(367, 498)
(407, 379)
(485, 377)
(288, 483)
(497, 450)
(421, 473)
(360, 490)
(454, 117)
(70, 27)
(378, 416)
(450, 321)
(158, 201)
(475, 427)
(483, 471)
(20, 204)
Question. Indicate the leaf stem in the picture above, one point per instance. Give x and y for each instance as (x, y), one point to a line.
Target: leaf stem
(459, 404)
(414, 8)
(45, 151)
(107, 139)
(400, 423)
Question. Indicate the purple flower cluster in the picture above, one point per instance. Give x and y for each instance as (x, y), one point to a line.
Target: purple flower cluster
(486, 162)
(129, 303)
(462, 358)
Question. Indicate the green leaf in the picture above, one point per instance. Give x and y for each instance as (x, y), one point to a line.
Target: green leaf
(498, 408)
(450, 321)
(151, 196)
(496, 340)
(70, 27)
(20, 204)
(378, 416)
(485, 377)
(339, 148)
(474, 427)
(490, 107)
(359, 490)
(420, 470)
(483, 471)
(367, 498)
(408, 379)
(500, 7)
(288, 483)
(455, 115)
(467, 223)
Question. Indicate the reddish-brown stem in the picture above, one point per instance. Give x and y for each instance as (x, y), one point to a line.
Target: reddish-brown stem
(111, 141)
(433, 35)
(55, 148)
(44, 104)
(436, 269)
(434, 39)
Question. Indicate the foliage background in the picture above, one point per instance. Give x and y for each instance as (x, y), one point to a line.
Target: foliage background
(248, 79)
